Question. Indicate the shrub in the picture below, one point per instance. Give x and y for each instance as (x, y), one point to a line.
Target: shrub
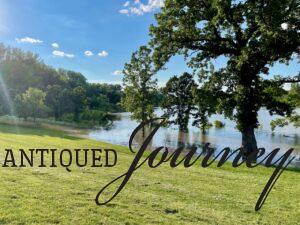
(219, 124)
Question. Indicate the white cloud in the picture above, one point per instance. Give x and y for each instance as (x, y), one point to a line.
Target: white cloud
(124, 11)
(287, 86)
(88, 53)
(103, 54)
(140, 8)
(62, 54)
(55, 45)
(126, 4)
(106, 81)
(284, 26)
(70, 56)
(161, 84)
(117, 72)
(58, 53)
(28, 40)
(134, 10)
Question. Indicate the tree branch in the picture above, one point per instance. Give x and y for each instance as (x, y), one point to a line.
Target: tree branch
(290, 80)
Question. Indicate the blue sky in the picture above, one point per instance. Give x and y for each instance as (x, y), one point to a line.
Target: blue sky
(113, 28)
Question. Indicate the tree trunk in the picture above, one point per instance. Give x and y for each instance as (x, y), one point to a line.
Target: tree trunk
(247, 108)
(76, 115)
(143, 132)
(249, 143)
(56, 115)
(183, 128)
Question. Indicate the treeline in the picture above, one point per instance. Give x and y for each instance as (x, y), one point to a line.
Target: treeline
(31, 89)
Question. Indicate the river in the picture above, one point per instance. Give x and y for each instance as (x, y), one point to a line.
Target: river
(283, 138)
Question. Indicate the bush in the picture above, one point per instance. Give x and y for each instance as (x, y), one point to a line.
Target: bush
(97, 117)
(219, 124)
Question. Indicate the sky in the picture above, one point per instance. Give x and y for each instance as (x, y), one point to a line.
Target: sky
(94, 37)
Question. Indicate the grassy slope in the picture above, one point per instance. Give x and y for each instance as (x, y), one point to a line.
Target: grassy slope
(167, 196)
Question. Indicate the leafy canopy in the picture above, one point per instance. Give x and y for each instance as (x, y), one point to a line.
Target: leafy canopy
(251, 35)
(140, 88)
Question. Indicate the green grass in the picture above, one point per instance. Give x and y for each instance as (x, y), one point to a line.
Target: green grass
(153, 196)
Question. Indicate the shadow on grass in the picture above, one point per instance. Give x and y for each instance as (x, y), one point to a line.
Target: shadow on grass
(36, 130)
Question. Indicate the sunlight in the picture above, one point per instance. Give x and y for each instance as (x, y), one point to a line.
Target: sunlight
(8, 99)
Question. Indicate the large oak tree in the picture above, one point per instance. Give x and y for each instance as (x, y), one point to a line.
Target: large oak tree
(251, 35)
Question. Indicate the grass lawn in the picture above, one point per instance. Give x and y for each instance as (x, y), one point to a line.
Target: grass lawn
(153, 196)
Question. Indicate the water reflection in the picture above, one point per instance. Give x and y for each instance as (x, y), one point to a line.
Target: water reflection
(183, 140)
(228, 136)
(140, 137)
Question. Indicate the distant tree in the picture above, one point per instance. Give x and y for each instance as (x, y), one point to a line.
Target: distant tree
(18, 69)
(55, 100)
(178, 100)
(104, 97)
(78, 101)
(100, 102)
(250, 35)
(139, 85)
(113, 92)
(31, 103)
(74, 92)
(74, 79)
(204, 107)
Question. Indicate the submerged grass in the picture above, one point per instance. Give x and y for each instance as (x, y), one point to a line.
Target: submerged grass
(163, 195)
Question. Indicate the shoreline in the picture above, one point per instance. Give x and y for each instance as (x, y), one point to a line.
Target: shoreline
(82, 133)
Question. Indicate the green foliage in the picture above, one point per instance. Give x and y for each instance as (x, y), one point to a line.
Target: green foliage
(219, 124)
(67, 92)
(178, 100)
(104, 97)
(158, 97)
(251, 38)
(55, 100)
(31, 103)
(97, 117)
(140, 89)
(292, 97)
(206, 101)
(278, 123)
(78, 101)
